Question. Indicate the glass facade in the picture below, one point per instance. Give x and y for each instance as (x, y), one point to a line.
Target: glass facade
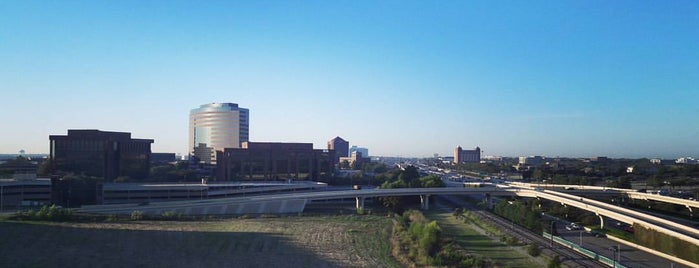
(100, 154)
(215, 126)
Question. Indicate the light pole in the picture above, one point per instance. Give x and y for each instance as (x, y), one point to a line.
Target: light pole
(551, 242)
(616, 254)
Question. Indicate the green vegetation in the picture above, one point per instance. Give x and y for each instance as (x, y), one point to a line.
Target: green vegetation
(526, 214)
(170, 173)
(483, 240)
(534, 250)
(46, 213)
(137, 215)
(408, 178)
(318, 241)
(665, 243)
(555, 262)
(419, 242)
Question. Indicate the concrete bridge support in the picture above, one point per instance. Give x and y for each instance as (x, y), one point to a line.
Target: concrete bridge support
(425, 202)
(360, 202)
(691, 213)
(601, 221)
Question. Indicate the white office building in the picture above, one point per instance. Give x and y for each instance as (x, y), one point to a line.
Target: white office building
(215, 126)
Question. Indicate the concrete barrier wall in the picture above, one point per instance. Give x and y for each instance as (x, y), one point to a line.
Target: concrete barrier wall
(589, 253)
(654, 252)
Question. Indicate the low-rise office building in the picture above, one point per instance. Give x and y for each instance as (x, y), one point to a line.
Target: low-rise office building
(274, 161)
(15, 194)
(101, 154)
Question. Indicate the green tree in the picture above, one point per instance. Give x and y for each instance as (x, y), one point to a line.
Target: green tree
(410, 176)
(431, 181)
(344, 164)
(555, 262)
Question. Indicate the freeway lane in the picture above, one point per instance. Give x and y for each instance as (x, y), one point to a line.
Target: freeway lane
(677, 227)
(630, 257)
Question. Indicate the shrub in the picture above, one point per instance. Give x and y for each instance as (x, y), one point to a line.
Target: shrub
(555, 262)
(533, 250)
(137, 215)
(170, 215)
(46, 213)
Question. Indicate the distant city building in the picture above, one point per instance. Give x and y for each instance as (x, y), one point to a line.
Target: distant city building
(686, 160)
(467, 156)
(215, 126)
(357, 159)
(599, 159)
(274, 161)
(20, 168)
(447, 159)
(340, 146)
(162, 158)
(531, 160)
(362, 150)
(656, 161)
(527, 162)
(492, 158)
(100, 154)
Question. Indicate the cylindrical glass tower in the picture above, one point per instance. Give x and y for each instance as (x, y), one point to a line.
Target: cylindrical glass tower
(215, 126)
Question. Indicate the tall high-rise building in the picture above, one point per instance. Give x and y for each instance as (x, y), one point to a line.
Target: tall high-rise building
(215, 126)
(340, 146)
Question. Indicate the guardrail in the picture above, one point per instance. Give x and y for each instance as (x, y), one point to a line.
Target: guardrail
(589, 253)
(635, 214)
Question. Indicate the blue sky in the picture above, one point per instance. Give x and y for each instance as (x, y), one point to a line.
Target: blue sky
(403, 78)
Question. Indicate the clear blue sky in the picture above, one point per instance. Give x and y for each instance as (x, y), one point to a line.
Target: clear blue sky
(403, 78)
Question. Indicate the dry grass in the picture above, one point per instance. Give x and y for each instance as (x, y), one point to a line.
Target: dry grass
(320, 241)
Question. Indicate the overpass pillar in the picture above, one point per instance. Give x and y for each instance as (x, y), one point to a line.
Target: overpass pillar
(425, 202)
(691, 213)
(360, 202)
(488, 201)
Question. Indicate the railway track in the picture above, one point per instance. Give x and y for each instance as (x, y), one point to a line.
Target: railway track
(569, 257)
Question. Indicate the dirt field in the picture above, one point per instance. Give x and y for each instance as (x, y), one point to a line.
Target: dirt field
(318, 241)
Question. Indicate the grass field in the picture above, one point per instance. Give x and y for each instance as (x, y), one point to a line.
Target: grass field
(318, 241)
(476, 241)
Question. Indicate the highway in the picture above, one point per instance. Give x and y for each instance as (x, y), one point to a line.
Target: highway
(600, 208)
(569, 257)
(630, 257)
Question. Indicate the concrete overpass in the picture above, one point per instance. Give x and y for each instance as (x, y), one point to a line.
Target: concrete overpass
(692, 205)
(292, 203)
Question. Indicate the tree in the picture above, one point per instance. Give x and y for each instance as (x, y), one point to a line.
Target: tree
(431, 181)
(344, 164)
(122, 179)
(410, 176)
(654, 181)
(44, 168)
(555, 262)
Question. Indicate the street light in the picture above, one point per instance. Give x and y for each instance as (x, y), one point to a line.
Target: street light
(616, 254)
(551, 243)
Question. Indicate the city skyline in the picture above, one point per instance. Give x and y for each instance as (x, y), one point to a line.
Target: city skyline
(402, 78)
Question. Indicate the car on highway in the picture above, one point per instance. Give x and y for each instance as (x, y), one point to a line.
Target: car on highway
(573, 226)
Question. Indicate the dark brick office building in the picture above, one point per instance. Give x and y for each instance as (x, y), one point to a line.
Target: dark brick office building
(341, 148)
(100, 154)
(274, 161)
